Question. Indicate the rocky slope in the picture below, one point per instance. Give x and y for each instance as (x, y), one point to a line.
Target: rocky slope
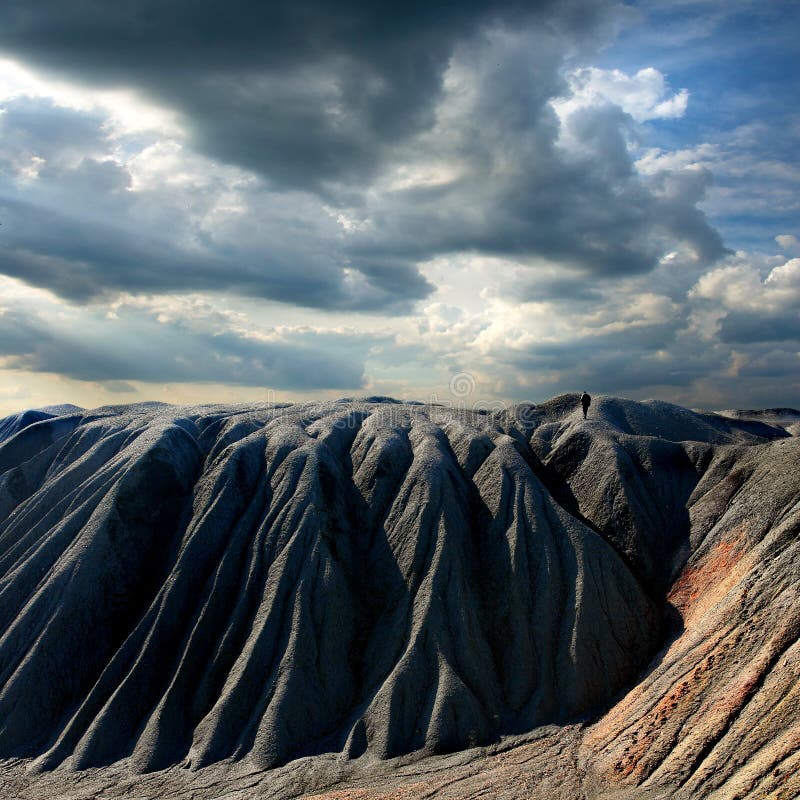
(367, 585)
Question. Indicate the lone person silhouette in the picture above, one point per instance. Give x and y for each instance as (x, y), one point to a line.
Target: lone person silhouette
(586, 401)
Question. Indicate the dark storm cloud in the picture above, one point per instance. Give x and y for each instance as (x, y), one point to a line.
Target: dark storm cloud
(624, 366)
(762, 326)
(771, 364)
(328, 101)
(82, 260)
(137, 348)
(594, 351)
(300, 90)
(523, 194)
(76, 229)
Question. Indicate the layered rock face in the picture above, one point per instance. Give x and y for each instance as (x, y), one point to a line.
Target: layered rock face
(183, 586)
(718, 713)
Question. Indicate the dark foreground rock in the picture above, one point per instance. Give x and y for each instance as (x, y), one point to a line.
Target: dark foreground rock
(272, 601)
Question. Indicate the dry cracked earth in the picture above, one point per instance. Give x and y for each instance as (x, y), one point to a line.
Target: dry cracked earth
(371, 600)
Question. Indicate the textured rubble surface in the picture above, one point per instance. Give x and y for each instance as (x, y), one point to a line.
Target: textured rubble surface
(370, 599)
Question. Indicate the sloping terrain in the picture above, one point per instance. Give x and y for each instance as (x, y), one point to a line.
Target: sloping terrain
(13, 424)
(787, 418)
(366, 586)
(9, 426)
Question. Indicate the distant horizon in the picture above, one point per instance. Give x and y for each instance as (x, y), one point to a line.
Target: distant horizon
(459, 404)
(206, 203)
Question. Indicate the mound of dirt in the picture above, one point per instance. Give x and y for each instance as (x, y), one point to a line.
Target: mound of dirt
(293, 597)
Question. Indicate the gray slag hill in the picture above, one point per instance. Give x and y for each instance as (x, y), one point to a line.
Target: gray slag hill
(188, 585)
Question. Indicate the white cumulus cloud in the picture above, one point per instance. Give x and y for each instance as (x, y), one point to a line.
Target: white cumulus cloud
(646, 95)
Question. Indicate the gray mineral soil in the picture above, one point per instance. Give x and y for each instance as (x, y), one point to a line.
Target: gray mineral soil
(371, 599)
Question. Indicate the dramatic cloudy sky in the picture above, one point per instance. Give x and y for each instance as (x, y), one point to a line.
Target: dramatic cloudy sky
(213, 201)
